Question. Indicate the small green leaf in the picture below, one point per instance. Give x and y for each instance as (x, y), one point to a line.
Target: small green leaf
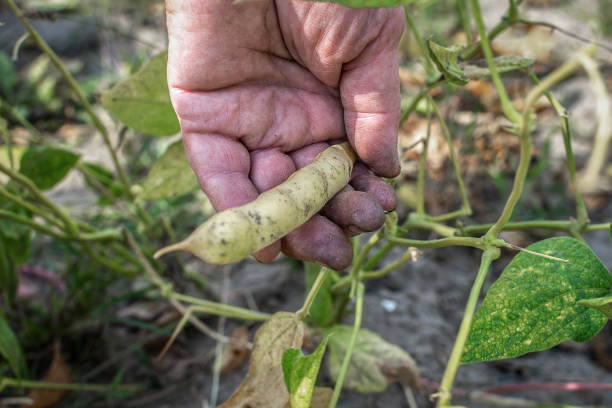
(534, 305)
(170, 176)
(46, 165)
(142, 101)
(375, 363)
(106, 179)
(602, 305)
(11, 350)
(301, 373)
(321, 310)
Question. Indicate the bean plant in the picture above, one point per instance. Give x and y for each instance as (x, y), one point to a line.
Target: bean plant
(552, 291)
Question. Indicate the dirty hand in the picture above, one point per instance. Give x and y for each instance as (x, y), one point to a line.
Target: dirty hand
(260, 88)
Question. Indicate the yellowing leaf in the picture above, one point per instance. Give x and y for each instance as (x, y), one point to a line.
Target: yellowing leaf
(375, 363)
(170, 176)
(142, 101)
(264, 385)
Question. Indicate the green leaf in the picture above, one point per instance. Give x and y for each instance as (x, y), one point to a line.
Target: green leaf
(301, 373)
(8, 76)
(321, 310)
(602, 305)
(375, 363)
(11, 350)
(106, 179)
(8, 270)
(170, 176)
(16, 236)
(367, 3)
(264, 385)
(46, 165)
(448, 61)
(142, 101)
(534, 305)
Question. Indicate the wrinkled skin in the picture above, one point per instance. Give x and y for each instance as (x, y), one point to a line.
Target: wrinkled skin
(260, 88)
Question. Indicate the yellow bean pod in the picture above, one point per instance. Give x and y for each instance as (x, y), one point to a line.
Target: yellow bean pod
(235, 233)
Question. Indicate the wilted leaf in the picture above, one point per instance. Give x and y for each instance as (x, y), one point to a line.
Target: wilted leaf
(375, 363)
(142, 101)
(236, 350)
(449, 63)
(59, 372)
(504, 63)
(264, 385)
(11, 350)
(534, 305)
(301, 373)
(170, 176)
(46, 165)
(322, 310)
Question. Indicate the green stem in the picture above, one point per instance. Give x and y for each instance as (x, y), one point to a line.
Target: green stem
(509, 110)
(9, 146)
(351, 346)
(389, 268)
(510, 18)
(21, 119)
(30, 207)
(38, 40)
(489, 255)
(525, 141)
(378, 256)
(429, 67)
(11, 382)
(565, 226)
(417, 98)
(219, 308)
(437, 243)
(581, 211)
(312, 294)
(69, 223)
(465, 20)
(32, 224)
(416, 222)
(107, 261)
(466, 203)
(420, 210)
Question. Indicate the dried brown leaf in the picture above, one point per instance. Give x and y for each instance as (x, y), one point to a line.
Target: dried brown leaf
(264, 385)
(236, 350)
(59, 372)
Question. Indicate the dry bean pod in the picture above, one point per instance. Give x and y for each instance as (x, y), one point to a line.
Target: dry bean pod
(235, 233)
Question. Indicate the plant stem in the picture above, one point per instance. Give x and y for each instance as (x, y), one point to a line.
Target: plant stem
(420, 210)
(391, 267)
(351, 346)
(30, 207)
(466, 204)
(69, 223)
(429, 67)
(525, 141)
(565, 226)
(465, 19)
(581, 211)
(312, 294)
(11, 382)
(415, 100)
(220, 309)
(488, 256)
(509, 110)
(437, 243)
(38, 40)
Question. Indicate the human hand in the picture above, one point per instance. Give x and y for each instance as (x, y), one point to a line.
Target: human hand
(260, 88)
